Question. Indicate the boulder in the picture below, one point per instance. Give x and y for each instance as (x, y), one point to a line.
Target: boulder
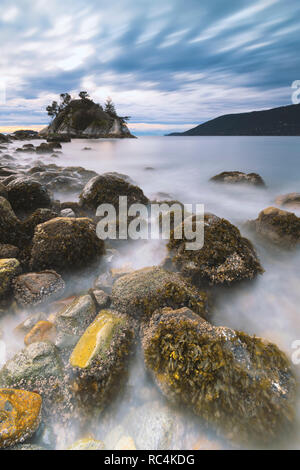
(20, 416)
(278, 226)
(103, 189)
(240, 384)
(48, 147)
(8, 251)
(39, 216)
(75, 318)
(144, 291)
(99, 360)
(3, 191)
(101, 298)
(291, 200)
(25, 194)
(231, 177)
(4, 139)
(38, 288)
(41, 332)
(225, 258)
(10, 225)
(67, 213)
(36, 368)
(9, 269)
(65, 245)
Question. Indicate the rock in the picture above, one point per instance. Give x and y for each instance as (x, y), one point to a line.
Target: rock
(10, 225)
(32, 447)
(116, 273)
(144, 291)
(103, 189)
(8, 251)
(76, 317)
(104, 282)
(42, 331)
(3, 192)
(9, 268)
(38, 288)
(125, 443)
(27, 325)
(36, 368)
(226, 256)
(99, 360)
(26, 195)
(65, 244)
(48, 148)
(75, 207)
(82, 118)
(39, 216)
(240, 384)
(277, 226)
(67, 213)
(25, 135)
(87, 444)
(58, 138)
(20, 416)
(4, 139)
(291, 200)
(101, 298)
(239, 177)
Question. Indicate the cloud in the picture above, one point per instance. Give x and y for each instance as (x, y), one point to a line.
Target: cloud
(167, 64)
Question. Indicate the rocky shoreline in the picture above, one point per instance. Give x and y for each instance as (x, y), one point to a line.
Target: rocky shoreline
(87, 321)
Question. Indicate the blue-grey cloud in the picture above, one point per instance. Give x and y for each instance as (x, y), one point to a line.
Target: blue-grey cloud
(164, 63)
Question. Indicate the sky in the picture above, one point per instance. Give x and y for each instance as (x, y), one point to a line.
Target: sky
(169, 64)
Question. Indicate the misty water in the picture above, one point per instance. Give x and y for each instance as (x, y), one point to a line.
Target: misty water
(179, 168)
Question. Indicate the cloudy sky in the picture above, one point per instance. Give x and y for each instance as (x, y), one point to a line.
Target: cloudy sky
(169, 64)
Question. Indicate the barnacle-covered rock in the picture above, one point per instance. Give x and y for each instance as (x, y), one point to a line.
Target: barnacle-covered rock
(239, 177)
(144, 291)
(20, 416)
(37, 288)
(76, 317)
(240, 384)
(39, 216)
(99, 360)
(65, 244)
(25, 195)
(226, 256)
(277, 226)
(105, 189)
(8, 251)
(9, 268)
(36, 368)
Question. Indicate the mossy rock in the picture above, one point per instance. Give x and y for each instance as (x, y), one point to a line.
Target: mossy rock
(39, 216)
(238, 177)
(280, 227)
(10, 225)
(106, 189)
(240, 384)
(65, 245)
(26, 195)
(20, 416)
(99, 360)
(8, 251)
(9, 269)
(141, 293)
(225, 258)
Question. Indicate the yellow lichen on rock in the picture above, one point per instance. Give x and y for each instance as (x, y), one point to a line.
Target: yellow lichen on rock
(20, 414)
(95, 338)
(87, 444)
(42, 331)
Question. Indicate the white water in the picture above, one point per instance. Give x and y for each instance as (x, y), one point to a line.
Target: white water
(269, 307)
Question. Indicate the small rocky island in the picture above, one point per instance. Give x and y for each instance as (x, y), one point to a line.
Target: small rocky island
(82, 118)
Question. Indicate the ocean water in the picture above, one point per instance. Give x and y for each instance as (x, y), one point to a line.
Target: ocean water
(180, 168)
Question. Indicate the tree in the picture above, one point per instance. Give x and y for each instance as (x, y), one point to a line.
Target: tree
(84, 95)
(110, 107)
(53, 109)
(65, 100)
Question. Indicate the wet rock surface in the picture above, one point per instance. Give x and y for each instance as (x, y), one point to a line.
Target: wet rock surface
(278, 226)
(9, 269)
(27, 195)
(65, 244)
(37, 288)
(238, 177)
(141, 293)
(242, 385)
(226, 257)
(20, 416)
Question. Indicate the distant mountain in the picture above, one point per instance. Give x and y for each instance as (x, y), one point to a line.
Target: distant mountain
(278, 121)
